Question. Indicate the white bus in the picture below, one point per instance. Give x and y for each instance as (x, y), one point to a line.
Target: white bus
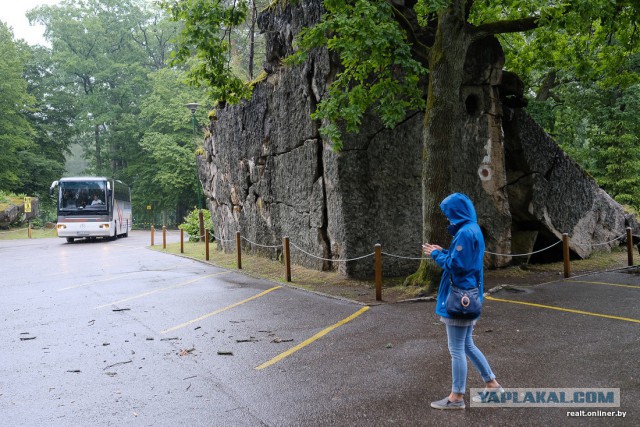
(90, 207)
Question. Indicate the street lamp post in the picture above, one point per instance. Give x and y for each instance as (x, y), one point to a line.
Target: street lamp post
(193, 106)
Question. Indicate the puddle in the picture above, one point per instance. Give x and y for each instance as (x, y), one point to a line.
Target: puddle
(635, 270)
(516, 290)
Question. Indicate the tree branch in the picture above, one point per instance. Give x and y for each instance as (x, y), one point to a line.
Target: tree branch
(467, 9)
(511, 26)
(418, 46)
(548, 83)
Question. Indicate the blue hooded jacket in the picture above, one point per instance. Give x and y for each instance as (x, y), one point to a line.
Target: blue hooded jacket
(463, 261)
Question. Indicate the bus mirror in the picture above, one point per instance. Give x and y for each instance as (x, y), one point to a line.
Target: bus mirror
(108, 185)
(54, 184)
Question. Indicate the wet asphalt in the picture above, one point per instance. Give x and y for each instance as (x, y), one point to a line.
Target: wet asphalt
(111, 333)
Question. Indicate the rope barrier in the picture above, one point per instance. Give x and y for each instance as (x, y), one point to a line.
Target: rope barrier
(406, 257)
(189, 236)
(530, 253)
(377, 254)
(330, 259)
(262, 246)
(367, 255)
(600, 244)
(400, 256)
(211, 236)
(225, 240)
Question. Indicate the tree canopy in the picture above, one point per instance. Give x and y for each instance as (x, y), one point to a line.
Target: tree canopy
(103, 83)
(566, 53)
(206, 37)
(16, 133)
(98, 86)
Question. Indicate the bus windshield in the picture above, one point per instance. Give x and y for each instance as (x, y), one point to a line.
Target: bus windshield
(83, 196)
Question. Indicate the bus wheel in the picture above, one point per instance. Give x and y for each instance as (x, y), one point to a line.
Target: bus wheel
(69, 239)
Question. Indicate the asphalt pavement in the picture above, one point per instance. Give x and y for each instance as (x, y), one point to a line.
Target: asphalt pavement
(111, 333)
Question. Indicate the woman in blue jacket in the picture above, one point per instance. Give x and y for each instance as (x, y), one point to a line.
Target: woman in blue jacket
(463, 264)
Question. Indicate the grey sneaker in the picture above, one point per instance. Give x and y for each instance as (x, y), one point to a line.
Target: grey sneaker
(447, 404)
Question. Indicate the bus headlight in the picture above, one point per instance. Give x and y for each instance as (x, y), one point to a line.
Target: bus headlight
(104, 225)
(61, 226)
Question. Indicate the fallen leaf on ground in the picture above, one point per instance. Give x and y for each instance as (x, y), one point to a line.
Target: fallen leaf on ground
(185, 351)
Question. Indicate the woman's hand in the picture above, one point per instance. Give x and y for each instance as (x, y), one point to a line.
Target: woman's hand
(427, 248)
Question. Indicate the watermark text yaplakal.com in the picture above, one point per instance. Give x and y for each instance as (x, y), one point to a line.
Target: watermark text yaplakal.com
(547, 397)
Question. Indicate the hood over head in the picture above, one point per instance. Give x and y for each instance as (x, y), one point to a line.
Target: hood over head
(459, 209)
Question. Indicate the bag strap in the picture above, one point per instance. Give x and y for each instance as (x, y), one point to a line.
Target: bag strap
(452, 285)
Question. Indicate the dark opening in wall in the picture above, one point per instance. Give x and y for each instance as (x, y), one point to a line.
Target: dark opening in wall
(472, 104)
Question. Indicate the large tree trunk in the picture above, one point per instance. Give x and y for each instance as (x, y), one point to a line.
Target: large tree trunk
(442, 128)
(463, 143)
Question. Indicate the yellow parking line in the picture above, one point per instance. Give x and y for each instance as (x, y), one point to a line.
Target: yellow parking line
(312, 339)
(569, 310)
(182, 325)
(161, 289)
(604, 283)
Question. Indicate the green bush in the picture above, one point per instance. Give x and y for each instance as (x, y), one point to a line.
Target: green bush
(7, 198)
(37, 223)
(191, 224)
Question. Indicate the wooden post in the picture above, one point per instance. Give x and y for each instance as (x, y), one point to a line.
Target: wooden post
(29, 230)
(181, 241)
(206, 244)
(629, 247)
(239, 250)
(152, 231)
(201, 221)
(565, 255)
(287, 259)
(164, 237)
(378, 269)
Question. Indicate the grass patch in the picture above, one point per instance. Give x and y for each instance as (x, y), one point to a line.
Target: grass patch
(21, 233)
(259, 266)
(333, 283)
(7, 200)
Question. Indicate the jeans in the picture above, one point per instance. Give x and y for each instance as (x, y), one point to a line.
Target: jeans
(460, 346)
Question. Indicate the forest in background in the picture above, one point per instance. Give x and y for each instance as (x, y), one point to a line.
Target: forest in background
(104, 99)
(110, 85)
